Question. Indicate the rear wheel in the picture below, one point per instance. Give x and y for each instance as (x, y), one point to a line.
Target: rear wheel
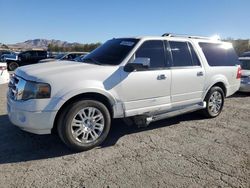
(12, 66)
(215, 102)
(85, 125)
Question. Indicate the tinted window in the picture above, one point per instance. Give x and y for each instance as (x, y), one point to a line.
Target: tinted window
(33, 53)
(245, 64)
(219, 54)
(25, 54)
(153, 50)
(111, 52)
(181, 54)
(196, 61)
(42, 53)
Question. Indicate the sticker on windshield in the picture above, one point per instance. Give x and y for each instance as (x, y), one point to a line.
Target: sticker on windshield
(127, 43)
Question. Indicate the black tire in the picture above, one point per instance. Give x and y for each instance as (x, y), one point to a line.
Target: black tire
(12, 66)
(64, 127)
(208, 112)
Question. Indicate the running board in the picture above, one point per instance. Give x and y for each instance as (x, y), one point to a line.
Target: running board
(180, 111)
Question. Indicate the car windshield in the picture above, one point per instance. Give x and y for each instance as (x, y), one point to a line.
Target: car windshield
(59, 56)
(111, 52)
(245, 64)
(79, 58)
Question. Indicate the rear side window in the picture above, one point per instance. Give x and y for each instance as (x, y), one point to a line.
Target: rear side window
(219, 54)
(181, 54)
(155, 51)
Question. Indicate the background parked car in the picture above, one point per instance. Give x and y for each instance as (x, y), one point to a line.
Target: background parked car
(64, 56)
(9, 56)
(80, 58)
(245, 74)
(5, 52)
(4, 74)
(26, 58)
(246, 54)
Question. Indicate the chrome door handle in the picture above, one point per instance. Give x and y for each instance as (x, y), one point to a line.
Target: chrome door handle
(161, 77)
(200, 73)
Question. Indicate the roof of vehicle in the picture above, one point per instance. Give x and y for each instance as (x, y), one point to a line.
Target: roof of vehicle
(214, 39)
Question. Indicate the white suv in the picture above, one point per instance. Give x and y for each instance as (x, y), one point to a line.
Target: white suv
(143, 79)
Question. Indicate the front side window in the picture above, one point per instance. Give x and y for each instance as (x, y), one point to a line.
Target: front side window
(112, 52)
(154, 50)
(221, 54)
(181, 54)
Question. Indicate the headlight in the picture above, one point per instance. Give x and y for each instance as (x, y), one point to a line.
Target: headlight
(34, 90)
(20, 89)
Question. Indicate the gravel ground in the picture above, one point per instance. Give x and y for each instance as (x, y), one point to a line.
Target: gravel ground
(185, 151)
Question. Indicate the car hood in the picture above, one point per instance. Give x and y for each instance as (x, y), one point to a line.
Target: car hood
(64, 71)
(47, 60)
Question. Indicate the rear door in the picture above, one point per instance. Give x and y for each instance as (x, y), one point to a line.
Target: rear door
(188, 75)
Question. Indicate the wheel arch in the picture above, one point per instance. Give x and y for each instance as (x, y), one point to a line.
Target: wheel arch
(220, 84)
(109, 103)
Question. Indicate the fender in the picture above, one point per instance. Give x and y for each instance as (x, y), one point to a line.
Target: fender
(214, 80)
(91, 86)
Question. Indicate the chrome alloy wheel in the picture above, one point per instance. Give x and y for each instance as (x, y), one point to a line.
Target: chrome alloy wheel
(215, 102)
(87, 125)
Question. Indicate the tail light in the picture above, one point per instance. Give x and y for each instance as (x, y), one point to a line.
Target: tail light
(2, 68)
(238, 73)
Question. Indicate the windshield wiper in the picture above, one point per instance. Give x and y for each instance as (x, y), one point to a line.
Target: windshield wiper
(91, 60)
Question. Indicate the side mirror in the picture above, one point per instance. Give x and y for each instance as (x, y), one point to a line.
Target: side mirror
(140, 63)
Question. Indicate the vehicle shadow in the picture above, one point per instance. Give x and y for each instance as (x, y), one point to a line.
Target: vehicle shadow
(119, 128)
(240, 95)
(19, 146)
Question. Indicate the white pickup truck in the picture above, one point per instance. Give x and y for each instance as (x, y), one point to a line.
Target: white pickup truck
(143, 79)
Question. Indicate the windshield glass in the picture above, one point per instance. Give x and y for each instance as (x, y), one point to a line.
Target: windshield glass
(111, 52)
(245, 64)
(59, 56)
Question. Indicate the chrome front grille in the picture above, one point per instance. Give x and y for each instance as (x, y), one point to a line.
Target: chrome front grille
(16, 87)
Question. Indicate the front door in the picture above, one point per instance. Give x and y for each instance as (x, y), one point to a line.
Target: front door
(147, 90)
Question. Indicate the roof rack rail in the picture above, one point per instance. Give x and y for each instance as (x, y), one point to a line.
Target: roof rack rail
(188, 36)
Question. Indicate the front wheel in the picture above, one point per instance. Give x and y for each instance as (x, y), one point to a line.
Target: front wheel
(215, 102)
(85, 125)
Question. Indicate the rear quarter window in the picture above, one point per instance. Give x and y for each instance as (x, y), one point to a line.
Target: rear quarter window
(219, 54)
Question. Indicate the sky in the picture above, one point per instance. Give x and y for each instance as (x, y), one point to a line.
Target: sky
(88, 21)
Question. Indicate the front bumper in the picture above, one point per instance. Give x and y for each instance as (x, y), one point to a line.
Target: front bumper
(244, 87)
(38, 122)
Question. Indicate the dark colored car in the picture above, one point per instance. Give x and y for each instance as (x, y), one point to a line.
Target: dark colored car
(246, 54)
(70, 56)
(27, 58)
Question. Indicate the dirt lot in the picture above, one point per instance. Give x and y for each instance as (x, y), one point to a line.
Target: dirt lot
(186, 151)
